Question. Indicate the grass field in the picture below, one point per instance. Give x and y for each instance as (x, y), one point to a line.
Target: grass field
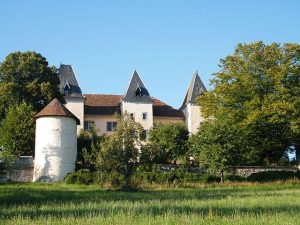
(276, 203)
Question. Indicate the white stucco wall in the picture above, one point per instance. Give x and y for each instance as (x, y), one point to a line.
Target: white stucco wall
(55, 147)
(138, 109)
(76, 106)
(100, 122)
(193, 117)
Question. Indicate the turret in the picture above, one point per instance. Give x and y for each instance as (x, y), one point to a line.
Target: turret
(138, 103)
(55, 143)
(190, 108)
(69, 87)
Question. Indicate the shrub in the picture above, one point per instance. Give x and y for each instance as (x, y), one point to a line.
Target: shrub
(83, 176)
(267, 176)
(234, 178)
(209, 178)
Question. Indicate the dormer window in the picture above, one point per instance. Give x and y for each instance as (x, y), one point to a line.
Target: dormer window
(67, 89)
(138, 91)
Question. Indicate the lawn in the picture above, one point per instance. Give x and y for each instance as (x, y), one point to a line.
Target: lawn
(276, 203)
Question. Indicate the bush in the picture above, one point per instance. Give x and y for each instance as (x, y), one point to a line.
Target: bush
(82, 176)
(235, 178)
(209, 178)
(267, 176)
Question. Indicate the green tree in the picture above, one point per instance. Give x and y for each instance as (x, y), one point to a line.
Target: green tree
(88, 144)
(119, 151)
(166, 143)
(216, 146)
(27, 77)
(17, 132)
(257, 90)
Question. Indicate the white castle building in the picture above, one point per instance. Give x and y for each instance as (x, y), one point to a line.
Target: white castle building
(98, 109)
(57, 125)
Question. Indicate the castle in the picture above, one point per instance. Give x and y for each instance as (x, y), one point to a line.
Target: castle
(98, 109)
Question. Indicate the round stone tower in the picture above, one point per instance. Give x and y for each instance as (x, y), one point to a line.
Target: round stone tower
(55, 143)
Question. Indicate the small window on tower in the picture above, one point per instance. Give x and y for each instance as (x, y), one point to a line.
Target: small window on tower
(144, 116)
(144, 135)
(67, 89)
(131, 116)
(138, 91)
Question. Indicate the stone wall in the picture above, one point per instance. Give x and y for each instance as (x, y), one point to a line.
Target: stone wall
(247, 171)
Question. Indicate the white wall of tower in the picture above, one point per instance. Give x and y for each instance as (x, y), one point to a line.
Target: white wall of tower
(55, 147)
(76, 106)
(138, 109)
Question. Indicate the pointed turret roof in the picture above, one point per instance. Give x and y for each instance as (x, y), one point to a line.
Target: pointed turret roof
(68, 81)
(136, 91)
(55, 108)
(196, 89)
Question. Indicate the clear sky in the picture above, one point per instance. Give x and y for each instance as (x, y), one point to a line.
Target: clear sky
(165, 40)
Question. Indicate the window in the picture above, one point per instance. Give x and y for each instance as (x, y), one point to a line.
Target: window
(67, 89)
(132, 116)
(144, 135)
(110, 126)
(88, 125)
(144, 116)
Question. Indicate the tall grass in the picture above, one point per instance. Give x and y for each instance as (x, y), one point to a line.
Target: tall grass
(274, 203)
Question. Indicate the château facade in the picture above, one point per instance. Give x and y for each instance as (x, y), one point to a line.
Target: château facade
(99, 109)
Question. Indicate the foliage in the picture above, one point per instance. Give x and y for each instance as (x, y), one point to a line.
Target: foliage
(167, 142)
(26, 77)
(267, 176)
(119, 151)
(88, 144)
(257, 90)
(17, 132)
(179, 175)
(82, 176)
(216, 146)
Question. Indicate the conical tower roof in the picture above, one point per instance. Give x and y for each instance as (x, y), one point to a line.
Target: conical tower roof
(55, 108)
(68, 81)
(195, 89)
(137, 92)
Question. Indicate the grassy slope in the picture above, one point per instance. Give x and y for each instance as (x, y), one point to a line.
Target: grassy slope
(71, 204)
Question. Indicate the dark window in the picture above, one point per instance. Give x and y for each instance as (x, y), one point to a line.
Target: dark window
(110, 126)
(144, 116)
(144, 135)
(131, 115)
(88, 125)
(67, 89)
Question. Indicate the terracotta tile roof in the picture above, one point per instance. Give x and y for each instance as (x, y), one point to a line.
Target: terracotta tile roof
(162, 109)
(99, 104)
(55, 108)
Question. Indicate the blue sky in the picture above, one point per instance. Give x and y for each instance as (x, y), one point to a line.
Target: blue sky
(166, 41)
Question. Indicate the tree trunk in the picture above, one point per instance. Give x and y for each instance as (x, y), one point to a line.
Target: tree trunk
(222, 176)
(127, 178)
(297, 151)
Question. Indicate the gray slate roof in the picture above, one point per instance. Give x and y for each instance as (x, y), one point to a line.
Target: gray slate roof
(136, 91)
(68, 80)
(196, 89)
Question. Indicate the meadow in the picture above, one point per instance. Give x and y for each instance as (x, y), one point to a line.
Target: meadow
(244, 203)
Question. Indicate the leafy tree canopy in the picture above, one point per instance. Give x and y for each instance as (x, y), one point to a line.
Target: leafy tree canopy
(119, 151)
(27, 77)
(17, 132)
(167, 142)
(257, 90)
